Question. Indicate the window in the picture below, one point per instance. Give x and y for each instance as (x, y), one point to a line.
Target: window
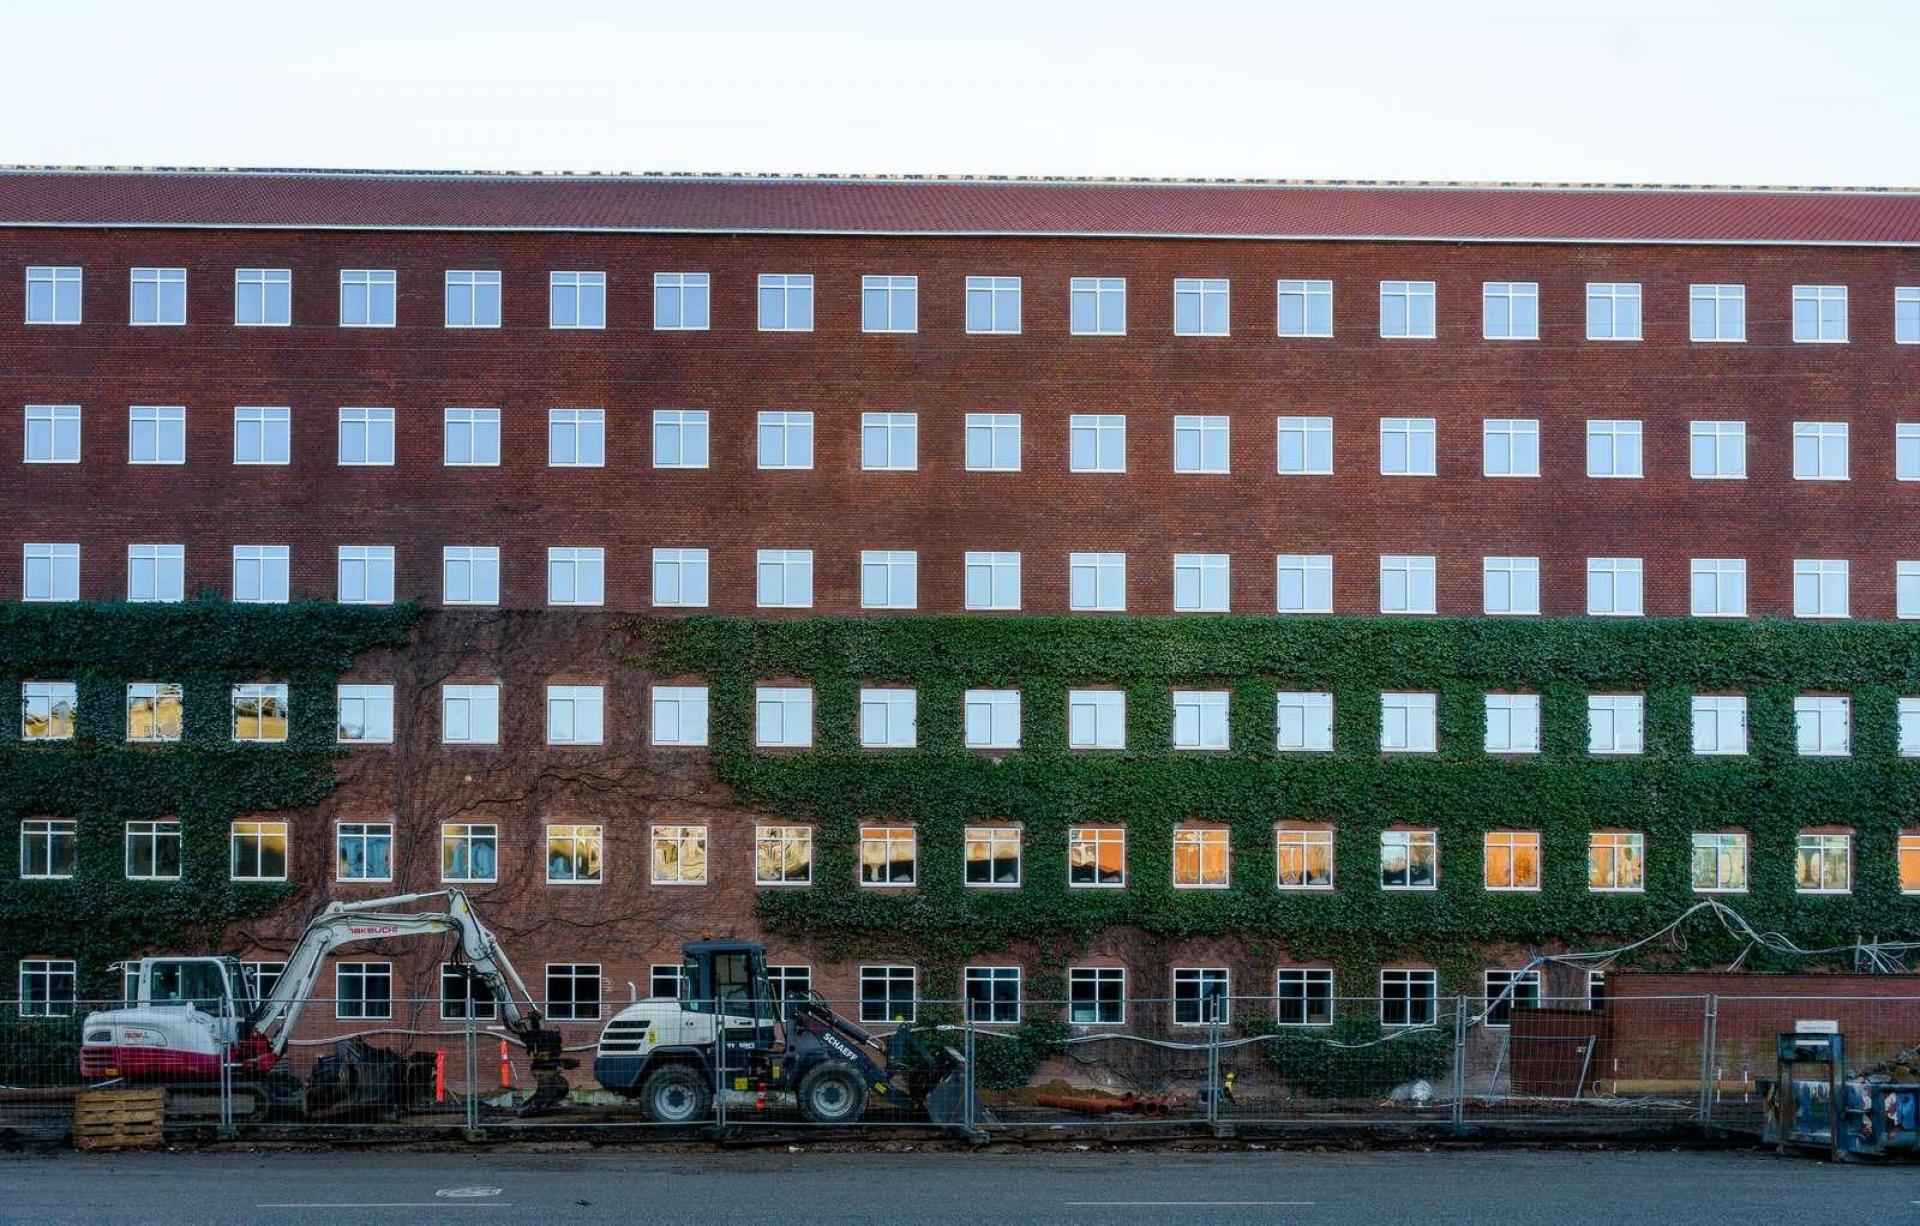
(1820, 451)
(363, 990)
(889, 304)
(156, 573)
(1303, 996)
(47, 849)
(1613, 449)
(1613, 311)
(1909, 863)
(993, 304)
(993, 994)
(47, 987)
(786, 440)
(472, 438)
(1200, 307)
(993, 442)
(888, 719)
(575, 714)
(1409, 859)
(259, 713)
(680, 578)
(993, 580)
(1096, 857)
(256, 850)
(262, 297)
(1511, 585)
(573, 855)
(1906, 590)
(260, 574)
(1407, 723)
(1200, 719)
(470, 714)
(1406, 309)
(1098, 443)
(1718, 312)
(667, 981)
(783, 855)
(1200, 582)
(890, 441)
(1406, 584)
(53, 434)
(1407, 446)
(1303, 721)
(470, 574)
(786, 302)
(679, 715)
(1200, 996)
(153, 711)
(53, 295)
(367, 297)
(1823, 864)
(364, 714)
(366, 437)
(1513, 723)
(576, 438)
(1719, 863)
(1512, 860)
(1303, 859)
(1508, 990)
(1616, 723)
(1819, 314)
(464, 995)
(1200, 444)
(1616, 860)
(679, 438)
(1096, 719)
(473, 299)
(363, 851)
(366, 574)
(1614, 587)
(1202, 859)
(1096, 995)
(1098, 306)
(889, 578)
(573, 991)
(1409, 998)
(1304, 582)
(1305, 308)
(1909, 717)
(1906, 314)
(993, 857)
(1510, 447)
(153, 851)
(679, 855)
(992, 719)
(1823, 726)
(156, 434)
(887, 993)
(576, 576)
(784, 578)
(1305, 446)
(680, 301)
(1819, 587)
(1097, 582)
(1719, 724)
(888, 855)
(1510, 310)
(1719, 450)
(782, 717)
(576, 300)
(469, 852)
(159, 297)
(1719, 587)
(1906, 451)
(47, 710)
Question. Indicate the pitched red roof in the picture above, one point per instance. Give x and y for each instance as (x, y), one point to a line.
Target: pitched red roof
(406, 200)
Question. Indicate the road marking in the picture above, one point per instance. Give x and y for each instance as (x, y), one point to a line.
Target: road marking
(467, 1193)
(381, 1204)
(1165, 1204)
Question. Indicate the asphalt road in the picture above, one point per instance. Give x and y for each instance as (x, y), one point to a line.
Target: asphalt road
(1512, 1187)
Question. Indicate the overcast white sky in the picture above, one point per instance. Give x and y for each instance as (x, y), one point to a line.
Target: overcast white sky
(1677, 91)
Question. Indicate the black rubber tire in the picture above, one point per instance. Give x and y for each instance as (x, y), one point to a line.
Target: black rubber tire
(678, 1094)
(833, 1093)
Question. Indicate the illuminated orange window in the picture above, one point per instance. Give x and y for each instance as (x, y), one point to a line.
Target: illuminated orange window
(1201, 859)
(1097, 857)
(1512, 860)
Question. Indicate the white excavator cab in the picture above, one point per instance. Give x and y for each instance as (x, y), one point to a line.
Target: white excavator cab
(219, 987)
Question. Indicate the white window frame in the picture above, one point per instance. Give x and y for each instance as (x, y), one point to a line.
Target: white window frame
(365, 574)
(1512, 724)
(1719, 843)
(375, 430)
(276, 309)
(1202, 582)
(583, 288)
(1303, 721)
(986, 435)
(1408, 585)
(1723, 444)
(153, 836)
(1199, 297)
(576, 714)
(1823, 725)
(1723, 717)
(1085, 844)
(782, 838)
(51, 706)
(1199, 841)
(1306, 991)
(1616, 587)
(1616, 434)
(576, 438)
(683, 426)
(681, 578)
(1906, 315)
(1728, 578)
(1312, 573)
(678, 715)
(994, 575)
(1616, 724)
(1409, 722)
(1418, 441)
(1824, 843)
(1514, 843)
(155, 283)
(1510, 587)
(1625, 858)
(1618, 303)
(889, 442)
(468, 836)
(1410, 842)
(477, 569)
(262, 574)
(576, 576)
(55, 428)
(167, 424)
(54, 276)
(889, 718)
(365, 707)
(888, 840)
(50, 572)
(1096, 432)
(471, 709)
(478, 429)
(784, 437)
(1410, 296)
(995, 293)
(1197, 980)
(367, 834)
(1726, 306)
(1108, 296)
(990, 839)
(1906, 590)
(783, 578)
(783, 717)
(1097, 582)
(897, 307)
(1090, 991)
(1096, 719)
(1510, 447)
(1820, 451)
(1310, 293)
(369, 282)
(263, 695)
(1201, 721)
(1312, 438)
(890, 977)
(1822, 588)
(787, 289)
(466, 299)
(367, 975)
(156, 574)
(1814, 322)
(686, 849)
(682, 301)
(1196, 438)
(991, 719)
(1520, 299)
(889, 579)
(144, 704)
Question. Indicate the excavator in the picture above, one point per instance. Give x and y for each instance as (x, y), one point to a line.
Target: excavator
(189, 1017)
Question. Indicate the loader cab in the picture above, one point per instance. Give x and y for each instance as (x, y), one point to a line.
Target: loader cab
(733, 973)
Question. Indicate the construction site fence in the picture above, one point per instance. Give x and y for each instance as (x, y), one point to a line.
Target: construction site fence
(1552, 1068)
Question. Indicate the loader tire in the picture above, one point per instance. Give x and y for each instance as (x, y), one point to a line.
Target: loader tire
(678, 1094)
(833, 1093)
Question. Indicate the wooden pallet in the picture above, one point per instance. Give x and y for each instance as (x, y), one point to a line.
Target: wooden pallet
(119, 1119)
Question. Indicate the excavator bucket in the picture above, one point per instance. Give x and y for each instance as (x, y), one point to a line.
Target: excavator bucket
(946, 1099)
(550, 1085)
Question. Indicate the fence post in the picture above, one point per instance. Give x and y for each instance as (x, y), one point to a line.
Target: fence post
(226, 1092)
(1460, 1060)
(967, 1086)
(470, 1061)
(1709, 1016)
(719, 1066)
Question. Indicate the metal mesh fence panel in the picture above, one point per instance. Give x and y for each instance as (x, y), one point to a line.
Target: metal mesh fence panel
(1634, 1061)
(1882, 1034)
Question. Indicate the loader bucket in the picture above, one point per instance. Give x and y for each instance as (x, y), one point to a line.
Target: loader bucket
(946, 1100)
(549, 1068)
